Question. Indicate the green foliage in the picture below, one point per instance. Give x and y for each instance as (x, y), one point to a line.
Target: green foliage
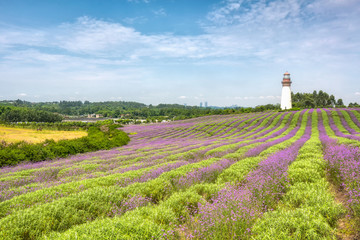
(39, 197)
(238, 171)
(128, 110)
(315, 196)
(314, 100)
(133, 225)
(355, 104)
(301, 223)
(346, 116)
(181, 202)
(82, 209)
(92, 203)
(20, 114)
(308, 209)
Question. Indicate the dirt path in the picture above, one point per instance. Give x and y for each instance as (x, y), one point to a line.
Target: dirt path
(347, 227)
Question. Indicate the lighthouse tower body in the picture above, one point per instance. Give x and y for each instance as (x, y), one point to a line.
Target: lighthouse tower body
(286, 92)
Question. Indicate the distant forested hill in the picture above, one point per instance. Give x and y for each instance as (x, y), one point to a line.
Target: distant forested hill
(132, 110)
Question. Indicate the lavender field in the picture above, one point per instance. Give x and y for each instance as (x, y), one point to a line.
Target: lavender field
(267, 175)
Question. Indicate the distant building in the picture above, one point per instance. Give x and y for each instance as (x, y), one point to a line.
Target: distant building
(286, 92)
(206, 105)
(200, 104)
(95, 116)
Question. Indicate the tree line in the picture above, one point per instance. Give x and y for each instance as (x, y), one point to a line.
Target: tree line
(119, 109)
(316, 100)
(25, 114)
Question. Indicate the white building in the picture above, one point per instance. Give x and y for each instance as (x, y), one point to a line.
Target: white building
(286, 92)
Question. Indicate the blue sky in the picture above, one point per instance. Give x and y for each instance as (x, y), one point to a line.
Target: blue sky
(224, 52)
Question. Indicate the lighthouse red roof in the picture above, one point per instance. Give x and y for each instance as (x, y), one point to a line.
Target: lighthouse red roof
(286, 73)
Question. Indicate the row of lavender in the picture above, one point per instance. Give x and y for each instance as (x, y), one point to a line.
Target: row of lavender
(235, 211)
(176, 197)
(171, 194)
(173, 174)
(68, 170)
(40, 201)
(340, 139)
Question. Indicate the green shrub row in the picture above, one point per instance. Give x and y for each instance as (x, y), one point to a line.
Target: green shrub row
(356, 113)
(66, 189)
(308, 209)
(161, 221)
(264, 119)
(271, 125)
(31, 198)
(331, 133)
(155, 192)
(240, 130)
(40, 197)
(349, 120)
(165, 218)
(238, 171)
(90, 204)
(209, 127)
(335, 116)
(61, 214)
(212, 127)
(235, 146)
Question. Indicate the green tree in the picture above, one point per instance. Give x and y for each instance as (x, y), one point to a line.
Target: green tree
(340, 103)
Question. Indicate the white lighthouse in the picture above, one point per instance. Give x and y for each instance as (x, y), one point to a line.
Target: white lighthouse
(286, 92)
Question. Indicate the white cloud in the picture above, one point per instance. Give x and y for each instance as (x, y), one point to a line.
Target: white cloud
(243, 34)
(183, 97)
(22, 94)
(260, 97)
(107, 39)
(277, 31)
(249, 98)
(13, 36)
(91, 36)
(160, 12)
(270, 97)
(262, 13)
(357, 93)
(32, 55)
(287, 31)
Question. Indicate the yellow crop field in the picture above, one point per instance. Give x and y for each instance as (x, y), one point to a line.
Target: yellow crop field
(10, 135)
